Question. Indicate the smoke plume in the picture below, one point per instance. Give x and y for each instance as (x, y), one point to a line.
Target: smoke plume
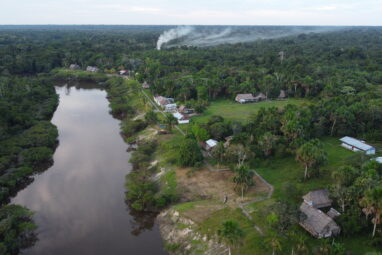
(204, 36)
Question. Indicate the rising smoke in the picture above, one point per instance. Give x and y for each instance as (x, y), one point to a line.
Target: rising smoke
(204, 36)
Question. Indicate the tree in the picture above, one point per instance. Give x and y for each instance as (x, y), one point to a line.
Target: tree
(170, 121)
(151, 117)
(218, 152)
(274, 243)
(372, 206)
(243, 178)
(311, 154)
(189, 153)
(231, 234)
(267, 143)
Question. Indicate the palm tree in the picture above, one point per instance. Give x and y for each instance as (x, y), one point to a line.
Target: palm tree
(243, 178)
(170, 121)
(274, 242)
(372, 206)
(230, 233)
(311, 154)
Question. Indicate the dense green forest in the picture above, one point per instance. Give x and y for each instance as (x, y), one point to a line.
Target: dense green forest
(339, 72)
(27, 142)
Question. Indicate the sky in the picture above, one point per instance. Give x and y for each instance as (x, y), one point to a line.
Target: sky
(193, 12)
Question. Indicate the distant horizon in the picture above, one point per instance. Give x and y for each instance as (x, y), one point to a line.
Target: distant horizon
(288, 25)
(196, 12)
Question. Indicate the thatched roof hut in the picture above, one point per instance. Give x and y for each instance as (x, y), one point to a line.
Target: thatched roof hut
(318, 198)
(317, 223)
(245, 98)
(282, 95)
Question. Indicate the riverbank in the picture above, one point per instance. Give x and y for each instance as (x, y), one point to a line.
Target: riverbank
(28, 140)
(193, 202)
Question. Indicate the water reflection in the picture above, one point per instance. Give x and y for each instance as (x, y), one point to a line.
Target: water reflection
(79, 201)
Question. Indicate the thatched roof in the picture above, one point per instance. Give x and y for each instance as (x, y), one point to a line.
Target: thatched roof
(260, 96)
(317, 222)
(244, 97)
(282, 94)
(333, 213)
(318, 198)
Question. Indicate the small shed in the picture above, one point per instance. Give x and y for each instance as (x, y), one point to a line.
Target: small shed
(357, 145)
(318, 198)
(245, 98)
(378, 159)
(74, 67)
(260, 97)
(317, 223)
(282, 95)
(332, 213)
(210, 144)
(145, 85)
(92, 69)
(124, 72)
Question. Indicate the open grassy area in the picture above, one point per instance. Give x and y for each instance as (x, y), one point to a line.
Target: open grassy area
(232, 110)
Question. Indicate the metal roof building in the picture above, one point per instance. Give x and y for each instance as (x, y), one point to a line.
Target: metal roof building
(357, 145)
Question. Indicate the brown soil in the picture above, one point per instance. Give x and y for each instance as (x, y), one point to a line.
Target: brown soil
(204, 184)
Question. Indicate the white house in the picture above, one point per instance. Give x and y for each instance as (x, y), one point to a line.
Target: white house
(92, 69)
(181, 118)
(378, 159)
(357, 145)
(170, 108)
(211, 143)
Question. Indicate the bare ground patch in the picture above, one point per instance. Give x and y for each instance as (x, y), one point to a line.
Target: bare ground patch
(204, 184)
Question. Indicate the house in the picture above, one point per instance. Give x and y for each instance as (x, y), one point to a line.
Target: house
(318, 198)
(124, 72)
(181, 118)
(378, 159)
(161, 101)
(92, 69)
(245, 98)
(317, 223)
(228, 140)
(145, 85)
(357, 145)
(332, 213)
(74, 67)
(282, 95)
(260, 97)
(170, 108)
(210, 144)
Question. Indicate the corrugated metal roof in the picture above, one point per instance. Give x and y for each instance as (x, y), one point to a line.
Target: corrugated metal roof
(211, 142)
(356, 143)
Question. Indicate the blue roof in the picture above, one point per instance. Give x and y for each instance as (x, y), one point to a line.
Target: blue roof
(356, 143)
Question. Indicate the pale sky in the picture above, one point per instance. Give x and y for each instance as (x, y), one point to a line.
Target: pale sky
(192, 12)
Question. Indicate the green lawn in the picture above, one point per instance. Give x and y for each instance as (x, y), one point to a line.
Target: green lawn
(232, 110)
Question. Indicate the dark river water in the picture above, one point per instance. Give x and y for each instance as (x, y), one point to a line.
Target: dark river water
(79, 201)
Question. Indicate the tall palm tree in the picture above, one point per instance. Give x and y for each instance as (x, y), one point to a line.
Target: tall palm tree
(231, 234)
(243, 178)
(274, 242)
(372, 206)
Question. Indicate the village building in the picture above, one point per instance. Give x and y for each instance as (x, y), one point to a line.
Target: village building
(170, 108)
(92, 69)
(181, 118)
(161, 101)
(318, 198)
(145, 85)
(378, 159)
(124, 72)
(357, 145)
(245, 98)
(260, 97)
(210, 144)
(282, 95)
(74, 67)
(317, 223)
(185, 110)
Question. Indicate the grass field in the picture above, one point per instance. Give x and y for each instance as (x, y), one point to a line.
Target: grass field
(232, 110)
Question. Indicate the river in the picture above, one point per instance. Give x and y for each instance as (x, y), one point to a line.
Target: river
(79, 202)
